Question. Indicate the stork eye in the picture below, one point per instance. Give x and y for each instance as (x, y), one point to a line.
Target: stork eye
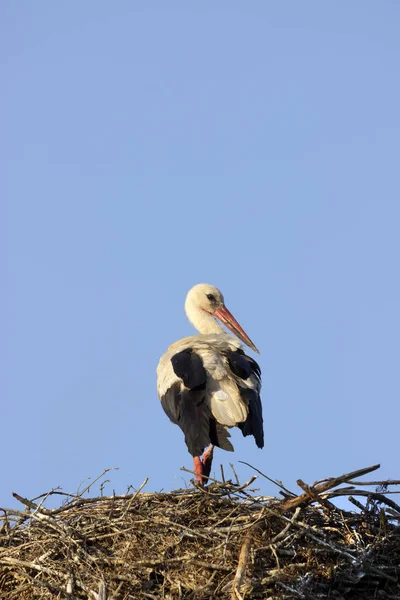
(211, 297)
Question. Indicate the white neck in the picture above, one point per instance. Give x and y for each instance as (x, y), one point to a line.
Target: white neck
(202, 320)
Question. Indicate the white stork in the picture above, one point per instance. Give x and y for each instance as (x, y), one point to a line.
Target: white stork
(206, 383)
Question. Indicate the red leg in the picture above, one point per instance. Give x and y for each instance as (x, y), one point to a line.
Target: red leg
(207, 460)
(201, 467)
(198, 469)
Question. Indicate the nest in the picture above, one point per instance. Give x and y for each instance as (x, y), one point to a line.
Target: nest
(221, 541)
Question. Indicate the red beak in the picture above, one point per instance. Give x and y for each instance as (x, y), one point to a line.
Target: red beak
(229, 320)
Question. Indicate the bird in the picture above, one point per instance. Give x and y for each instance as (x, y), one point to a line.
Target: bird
(207, 383)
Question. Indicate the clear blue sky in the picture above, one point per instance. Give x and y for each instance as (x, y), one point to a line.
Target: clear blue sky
(149, 146)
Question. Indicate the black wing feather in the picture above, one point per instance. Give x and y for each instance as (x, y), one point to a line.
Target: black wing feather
(189, 410)
(189, 367)
(253, 425)
(239, 364)
(243, 366)
(187, 406)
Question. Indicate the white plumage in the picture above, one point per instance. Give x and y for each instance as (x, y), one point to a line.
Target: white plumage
(223, 385)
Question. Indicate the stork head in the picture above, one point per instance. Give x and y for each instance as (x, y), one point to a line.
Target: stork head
(205, 298)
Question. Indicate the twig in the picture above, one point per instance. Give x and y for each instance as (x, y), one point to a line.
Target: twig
(323, 487)
(30, 504)
(356, 503)
(377, 483)
(313, 495)
(279, 484)
(235, 474)
(358, 473)
(282, 533)
(87, 488)
(222, 473)
(241, 568)
(374, 495)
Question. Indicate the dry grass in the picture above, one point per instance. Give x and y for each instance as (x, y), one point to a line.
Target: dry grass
(219, 542)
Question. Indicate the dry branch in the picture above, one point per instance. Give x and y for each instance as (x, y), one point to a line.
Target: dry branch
(327, 484)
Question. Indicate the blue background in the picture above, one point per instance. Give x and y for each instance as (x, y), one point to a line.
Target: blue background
(148, 146)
